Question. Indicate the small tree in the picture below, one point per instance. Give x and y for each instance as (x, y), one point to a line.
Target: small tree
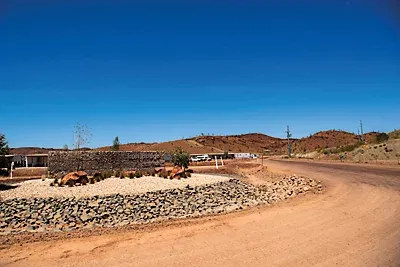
(116, 144)
(180, 157)
(82, 137)
(65, 147)
(4, 149)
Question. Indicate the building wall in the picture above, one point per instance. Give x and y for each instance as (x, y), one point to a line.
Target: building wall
(37, 161)
(97, 161)
(242, 155)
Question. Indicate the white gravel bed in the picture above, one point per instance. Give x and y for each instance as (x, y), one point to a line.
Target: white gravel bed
(42, 189)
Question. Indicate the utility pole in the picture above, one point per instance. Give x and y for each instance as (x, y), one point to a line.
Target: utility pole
(288, 134)
(362, 132)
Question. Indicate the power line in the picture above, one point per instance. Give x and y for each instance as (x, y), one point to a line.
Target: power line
(362, 132)
(288, 134)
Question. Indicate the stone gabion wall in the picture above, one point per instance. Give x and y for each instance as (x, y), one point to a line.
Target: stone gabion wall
(97, 161)
(65, 214)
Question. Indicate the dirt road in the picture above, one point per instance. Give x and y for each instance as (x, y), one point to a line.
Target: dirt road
(355, 223)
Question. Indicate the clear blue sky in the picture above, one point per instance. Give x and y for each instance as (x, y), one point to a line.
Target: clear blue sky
(156, 71)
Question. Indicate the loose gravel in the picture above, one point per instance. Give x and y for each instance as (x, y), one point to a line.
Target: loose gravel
(110, 186)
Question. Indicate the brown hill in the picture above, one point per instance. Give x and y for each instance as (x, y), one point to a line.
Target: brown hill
(254, 142)
(186, 144)
(31, 150)
(330, 139)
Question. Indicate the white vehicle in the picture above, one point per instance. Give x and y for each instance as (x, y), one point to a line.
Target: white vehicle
(194, 159)
(204, 158)
(200, 158)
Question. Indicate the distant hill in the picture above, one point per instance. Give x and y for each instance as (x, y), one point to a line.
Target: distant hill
(31, 150)
(251, 142)
(329, 139)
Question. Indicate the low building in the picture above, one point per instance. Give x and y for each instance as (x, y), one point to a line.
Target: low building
(245, 156)
(31, 160)
(37, 160)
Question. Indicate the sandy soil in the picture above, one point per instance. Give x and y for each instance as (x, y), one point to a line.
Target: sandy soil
(355, 223)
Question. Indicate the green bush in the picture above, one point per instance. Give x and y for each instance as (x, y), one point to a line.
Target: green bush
(138, 174)
(131, 175)
(106, 174)
(180, 157)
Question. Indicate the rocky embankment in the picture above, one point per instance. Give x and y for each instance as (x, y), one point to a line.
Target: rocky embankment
(66, 214)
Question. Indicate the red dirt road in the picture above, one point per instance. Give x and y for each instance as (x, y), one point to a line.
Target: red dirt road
(356, 222)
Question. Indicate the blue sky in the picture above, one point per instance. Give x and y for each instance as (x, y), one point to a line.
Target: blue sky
(150, 71)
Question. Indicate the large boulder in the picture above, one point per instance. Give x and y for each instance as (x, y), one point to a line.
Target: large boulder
(177, 172)
(75, 177)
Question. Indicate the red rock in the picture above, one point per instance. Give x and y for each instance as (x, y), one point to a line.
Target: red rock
(75, 177)
(177, 172)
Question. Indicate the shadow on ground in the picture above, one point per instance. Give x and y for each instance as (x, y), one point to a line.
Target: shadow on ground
(4, 187)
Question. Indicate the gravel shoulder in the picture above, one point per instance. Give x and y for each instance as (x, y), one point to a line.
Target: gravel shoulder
(110, 186)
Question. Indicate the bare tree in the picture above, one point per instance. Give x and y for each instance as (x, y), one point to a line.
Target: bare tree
(82, 136)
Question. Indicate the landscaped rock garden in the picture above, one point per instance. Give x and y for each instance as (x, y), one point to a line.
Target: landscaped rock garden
(69, 213)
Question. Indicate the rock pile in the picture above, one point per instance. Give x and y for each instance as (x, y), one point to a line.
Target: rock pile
(65, 214)
(290, 186)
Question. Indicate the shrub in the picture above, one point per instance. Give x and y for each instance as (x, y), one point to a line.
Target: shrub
(138, 174)
(188, 174)
(180, 157)
(52, 184)
(117, 174)
(97, 176)
(131, 175)
(153, 173)
(382, 137)
(107, 174)
(121, 175)
(91, 180)
(4, 173)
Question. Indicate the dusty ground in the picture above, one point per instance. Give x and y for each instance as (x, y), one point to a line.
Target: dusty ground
(355, 223)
